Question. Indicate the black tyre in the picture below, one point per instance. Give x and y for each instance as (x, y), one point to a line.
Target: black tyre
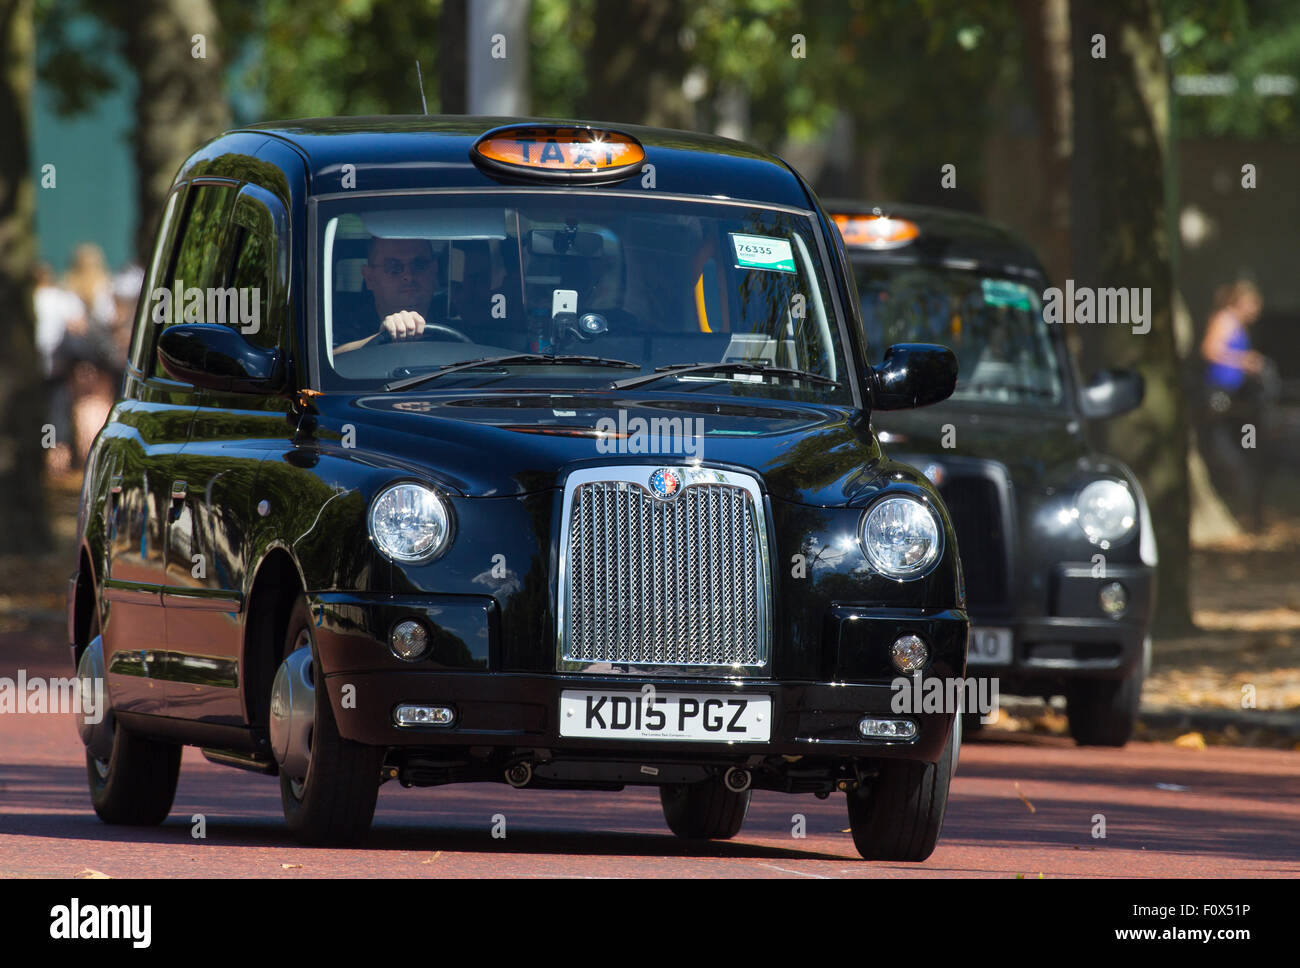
(1103, 712)
(334, 803)
(900, 815)
(136, 784)
(704, 811)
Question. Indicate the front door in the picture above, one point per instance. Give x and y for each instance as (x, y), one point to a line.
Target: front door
(208, 548)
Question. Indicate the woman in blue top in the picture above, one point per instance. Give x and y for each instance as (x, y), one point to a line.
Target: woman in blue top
(1232, 379)
(1226, 347)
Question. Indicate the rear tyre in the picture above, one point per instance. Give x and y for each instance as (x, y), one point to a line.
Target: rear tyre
(705, 810)
(333, 803)
(136, 783)
(1103, 712)
(899, 818)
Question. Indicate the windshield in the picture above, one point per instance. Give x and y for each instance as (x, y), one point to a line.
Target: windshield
(411, 283)
(994, 325)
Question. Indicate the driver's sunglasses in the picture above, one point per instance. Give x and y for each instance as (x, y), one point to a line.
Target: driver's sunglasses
(417, 266)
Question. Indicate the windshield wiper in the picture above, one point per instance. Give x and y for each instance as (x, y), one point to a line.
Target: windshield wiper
(746, 366)
(512, 358)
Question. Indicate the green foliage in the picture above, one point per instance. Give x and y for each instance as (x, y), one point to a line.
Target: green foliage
(1244, 40)
(322, 57)
(560, 44)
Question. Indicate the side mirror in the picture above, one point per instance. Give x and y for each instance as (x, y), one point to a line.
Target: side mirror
(1110, 393)
(218, 358)
(913, 375)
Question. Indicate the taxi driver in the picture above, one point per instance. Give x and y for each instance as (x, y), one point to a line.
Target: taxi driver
(400, 274)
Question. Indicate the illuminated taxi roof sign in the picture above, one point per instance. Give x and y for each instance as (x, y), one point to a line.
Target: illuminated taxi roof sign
(876, 231)
(559, 152)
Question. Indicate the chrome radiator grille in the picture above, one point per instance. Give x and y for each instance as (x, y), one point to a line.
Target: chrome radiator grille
(677, 582)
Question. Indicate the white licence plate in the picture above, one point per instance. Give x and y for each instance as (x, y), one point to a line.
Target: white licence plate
(700, 717)
(988, 646)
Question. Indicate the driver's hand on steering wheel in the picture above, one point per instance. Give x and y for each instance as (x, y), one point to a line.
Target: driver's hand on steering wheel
(404, 325)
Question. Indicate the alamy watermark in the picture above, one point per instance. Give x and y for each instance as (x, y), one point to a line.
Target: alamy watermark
(655, 435)
(1109, 306)
(75, 921)
(234, 305)
(80, 697)
(915, 694)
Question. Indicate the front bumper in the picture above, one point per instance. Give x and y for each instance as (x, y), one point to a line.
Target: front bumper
(1077, 640)
(519, 710)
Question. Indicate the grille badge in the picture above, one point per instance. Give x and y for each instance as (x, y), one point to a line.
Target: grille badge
(665, 484)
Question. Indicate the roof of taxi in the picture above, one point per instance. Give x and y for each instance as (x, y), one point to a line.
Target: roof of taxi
(944, 234)
(434, 151)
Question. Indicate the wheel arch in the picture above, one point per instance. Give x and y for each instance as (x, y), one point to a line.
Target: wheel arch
(85, 603)
(276, 584)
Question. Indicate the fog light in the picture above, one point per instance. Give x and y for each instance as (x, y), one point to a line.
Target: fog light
(909, 653)
(886, 728)
(409, 640)
(1113, 599)
(411, 715)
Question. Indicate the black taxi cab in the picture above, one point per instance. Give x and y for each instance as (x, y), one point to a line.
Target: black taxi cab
(1059, 552)
(458, 449)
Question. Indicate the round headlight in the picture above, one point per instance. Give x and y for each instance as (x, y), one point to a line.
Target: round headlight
(901, 537)
(409, 522)
(1106, 511)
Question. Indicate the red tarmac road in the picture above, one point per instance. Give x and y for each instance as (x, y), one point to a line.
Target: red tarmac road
(1019, 805)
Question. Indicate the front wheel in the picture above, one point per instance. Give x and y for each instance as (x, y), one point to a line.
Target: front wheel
(1103, 712)
(704, 811)
(328, 785)
(900, 816)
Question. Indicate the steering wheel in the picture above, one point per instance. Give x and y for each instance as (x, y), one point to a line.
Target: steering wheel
(443, 328)
(428, 328)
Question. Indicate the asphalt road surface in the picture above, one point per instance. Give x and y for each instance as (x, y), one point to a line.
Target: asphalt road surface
(1019, 805)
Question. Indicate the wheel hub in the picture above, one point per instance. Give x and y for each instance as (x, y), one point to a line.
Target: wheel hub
(293, 712)
(94, 716)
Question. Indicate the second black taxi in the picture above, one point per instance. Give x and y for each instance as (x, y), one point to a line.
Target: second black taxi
(1056, 536)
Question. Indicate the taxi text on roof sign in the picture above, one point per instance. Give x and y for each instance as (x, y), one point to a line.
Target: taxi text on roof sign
(552, 151)
(876, 231)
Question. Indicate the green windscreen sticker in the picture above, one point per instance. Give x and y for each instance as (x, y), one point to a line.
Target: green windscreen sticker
(761, 252)
(1004, 292)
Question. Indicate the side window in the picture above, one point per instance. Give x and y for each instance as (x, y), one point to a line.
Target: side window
(142, 338)
(199, 263)
(253, 276)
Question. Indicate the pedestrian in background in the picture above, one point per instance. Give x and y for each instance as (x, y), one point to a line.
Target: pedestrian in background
(58, 313)
(1239, 382)
(86, 359)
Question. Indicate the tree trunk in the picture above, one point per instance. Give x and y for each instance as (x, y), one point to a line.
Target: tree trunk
(23, 526)
(1119, 238)
(1047, 39)
(452, 64)
(637, 76)
(180, 98)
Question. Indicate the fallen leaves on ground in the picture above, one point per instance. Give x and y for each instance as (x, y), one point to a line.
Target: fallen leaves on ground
(1190, 741)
